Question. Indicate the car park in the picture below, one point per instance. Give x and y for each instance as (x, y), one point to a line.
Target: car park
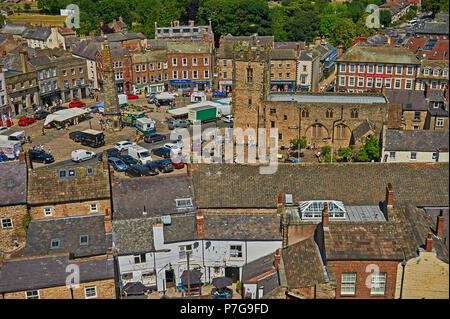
(151, 138)
(4, 129)
(82, 155)
(178, 162)
(163, 152)
(153, 167)
(111, 152)
(77, 103)
(228, 119)
(177, 123)
(138, 170)
(41, 157)
(123, 145)
(164, 166)
(24, 121)
(128, 160)
(117, 164)
(58, 108)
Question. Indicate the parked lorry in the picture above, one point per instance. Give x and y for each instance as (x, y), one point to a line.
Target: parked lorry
(123, 99)
(202, 114)
(140, 154)
(223, 110)
(145, 125)
(129, 118)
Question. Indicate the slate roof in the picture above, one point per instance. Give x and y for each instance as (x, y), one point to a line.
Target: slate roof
(302, 264)
(362, 241)
(178, 47)
(225, 50)
(434, 213)
(287, 45)
(87, 49)
(158, 194)
(242, 185)
(436, 96)
(68, 230)
(50, 271)
(362, 129)
(377, 39)
(39, 33)
(13, 184)
(181, 228)
(242, 226)
(80, 188)
(438, 112)
(119, 53)
(258, 267)
(134, 236)
(268, 284)
(149, 56)
(14, 28)
(433, 28)
(283, 54)
(39, 60)
(305, 56)
(416, 140)
(370, 53)
(410, 100)
(414, 224)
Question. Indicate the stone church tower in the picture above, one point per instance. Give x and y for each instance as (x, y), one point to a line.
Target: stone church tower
(111, 108)
(251, 72)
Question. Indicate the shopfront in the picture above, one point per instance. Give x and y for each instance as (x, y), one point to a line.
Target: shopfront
(282, 86)
(226, 86)
(201, 85)
(181, 84)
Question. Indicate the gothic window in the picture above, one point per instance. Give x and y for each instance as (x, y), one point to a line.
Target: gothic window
(354, 114)
(317, 130)
(329, 113)
(249, 75)
(340, 131)
(305, 113)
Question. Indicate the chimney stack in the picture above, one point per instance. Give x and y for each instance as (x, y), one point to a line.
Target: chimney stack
(189, 169)
(429, 242)
(277, 258)
(339, 50)
(200, 224)
(325, 216)
(388, 204)
(280, 199)
(23, 60)
(440, 225)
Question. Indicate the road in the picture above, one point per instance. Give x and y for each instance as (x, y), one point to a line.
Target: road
(220, 124)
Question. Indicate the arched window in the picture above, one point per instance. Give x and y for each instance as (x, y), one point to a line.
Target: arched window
(329, 113)
(305, 113)
(354, 114)
(340, 131)
(317, 130)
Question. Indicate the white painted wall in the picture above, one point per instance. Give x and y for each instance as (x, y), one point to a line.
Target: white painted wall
(421, 157)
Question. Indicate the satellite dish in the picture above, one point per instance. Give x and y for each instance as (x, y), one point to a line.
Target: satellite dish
(195, 245)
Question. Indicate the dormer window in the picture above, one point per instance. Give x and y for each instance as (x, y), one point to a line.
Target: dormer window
(436, 72)
(54, 243)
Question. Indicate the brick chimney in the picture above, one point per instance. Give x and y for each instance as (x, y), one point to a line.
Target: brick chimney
(440, 225)
(429, 242)
(325, 216)
(339, 50)
(189, 169)
(277, 258)
(200, 224)
(280, 199)
(388, 204)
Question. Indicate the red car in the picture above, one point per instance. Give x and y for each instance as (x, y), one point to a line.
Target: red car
(24, 121)
(177, 162)
(132, 96)
(188, 93)
(77, 103)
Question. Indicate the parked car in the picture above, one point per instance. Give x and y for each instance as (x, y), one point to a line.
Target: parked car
(75, 136)
(4, 129)
(117, 164)
(153, 167)
(40, 115)
(154, 138)
(164, 166)
(163, 152)
(187, 93)
(77, 103)
(24, 121)
(82, 155)
(228, 119)
(138, 170)
(111, 152)
(131, 96)
(123, 145)
(41, 157)
(177, 123)
(128, 160)
(219, 94)
(3, 157)
(175, 148)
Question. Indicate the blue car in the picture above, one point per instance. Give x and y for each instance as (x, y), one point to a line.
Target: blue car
(219, 94)
(117, 164)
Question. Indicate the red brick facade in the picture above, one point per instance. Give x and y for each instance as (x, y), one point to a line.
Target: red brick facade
(363, 269)
(122, 71)
(193, 67)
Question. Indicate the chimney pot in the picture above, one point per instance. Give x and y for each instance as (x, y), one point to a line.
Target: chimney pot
(280, 199)
(200, 225)
(277, 258)
(429, 242)
(440, 225)
(325, 216)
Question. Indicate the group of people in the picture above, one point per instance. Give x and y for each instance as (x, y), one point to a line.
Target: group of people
(41, 148)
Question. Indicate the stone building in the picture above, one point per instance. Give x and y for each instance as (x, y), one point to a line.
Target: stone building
(49, 89)
(322, 119)
(283, 70)
(433, 76)
(149, 70)
(44, 37)
(87, 50)
(414, 107)
(73, 79)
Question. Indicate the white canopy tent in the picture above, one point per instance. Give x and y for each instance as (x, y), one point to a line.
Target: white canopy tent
(64, 115)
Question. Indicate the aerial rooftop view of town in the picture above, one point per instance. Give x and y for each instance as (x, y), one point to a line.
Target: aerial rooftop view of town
(224, 149)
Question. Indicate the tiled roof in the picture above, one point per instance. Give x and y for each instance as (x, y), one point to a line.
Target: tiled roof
(44, 185)
(362, 129)
(302, 264)
(362, 241)
(39, 33)
(415, 140)
(87, 50)
(433, 28)
(68, 230)
(50, 271)
(410, 100)
(14, 28)
(134, 235)
(157, 194)
(367, 53)
(283, 54)
(13, 184)
(258, 267)
(149, 56)
(242, 185)
(120, 53)
(414, 224)
(242, 226)
(181, 228)
(434, 213)
(440, 50)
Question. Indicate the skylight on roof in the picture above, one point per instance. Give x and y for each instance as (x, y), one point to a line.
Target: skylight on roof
(430, 45)
(314, 209)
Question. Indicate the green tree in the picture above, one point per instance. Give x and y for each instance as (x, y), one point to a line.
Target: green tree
(344, 32)
(26, 6)
(385, 17)
(369, 151)
(302, 27)
(298, 144)
(327, 24)
(345, 153)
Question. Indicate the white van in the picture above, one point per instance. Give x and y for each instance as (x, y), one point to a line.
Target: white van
(82, 155)
(139, 153)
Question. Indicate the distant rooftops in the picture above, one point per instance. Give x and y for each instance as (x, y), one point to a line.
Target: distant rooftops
(416, 140)
(440, 28)
(371, 53)
(327, 98)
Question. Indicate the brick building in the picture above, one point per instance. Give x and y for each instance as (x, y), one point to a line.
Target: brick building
(433, 75)
(370, 68)
(432, 30)
(190, 65)
(283, 70)
(149, 69)
(123, 74)
(432, 49)
(323, 119)
(45, 277)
